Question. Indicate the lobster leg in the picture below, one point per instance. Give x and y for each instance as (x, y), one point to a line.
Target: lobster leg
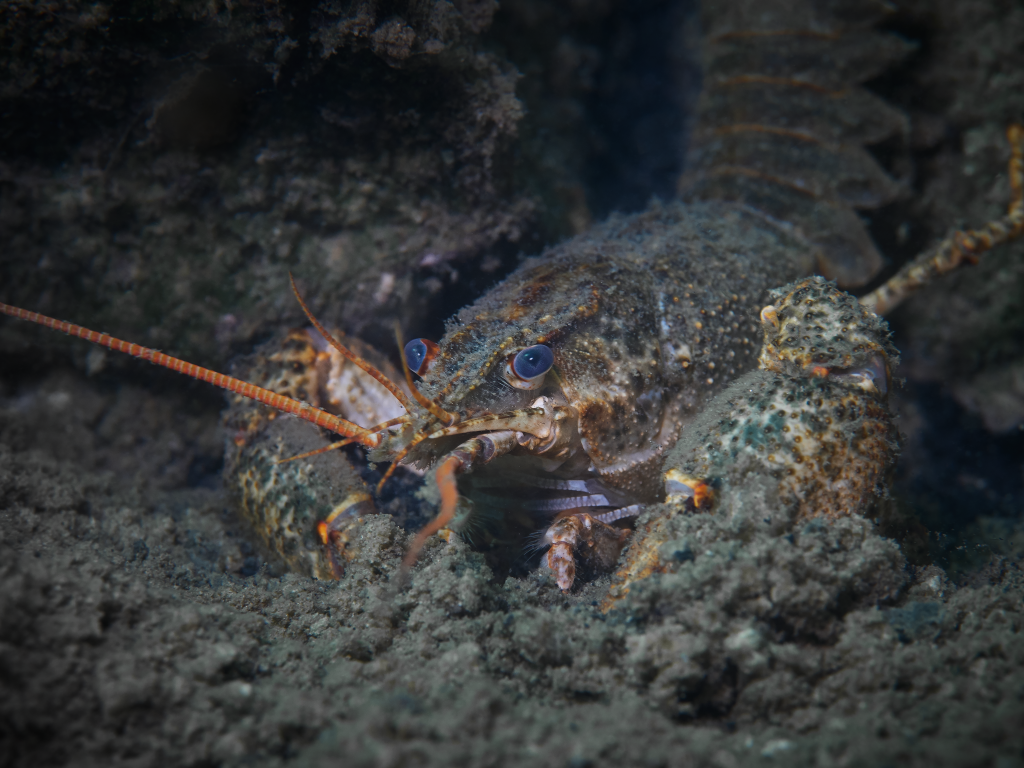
(469, 455)
(584, 537)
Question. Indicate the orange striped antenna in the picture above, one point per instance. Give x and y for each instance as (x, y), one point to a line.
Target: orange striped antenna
(348, 354)
(304, 411)
(390, 423)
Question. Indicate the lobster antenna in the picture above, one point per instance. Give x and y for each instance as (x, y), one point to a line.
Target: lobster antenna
(960, 247)
(349, 355)
(282, 403)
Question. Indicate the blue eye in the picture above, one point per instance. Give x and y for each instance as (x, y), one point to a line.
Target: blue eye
(533, 362)
(419, 354)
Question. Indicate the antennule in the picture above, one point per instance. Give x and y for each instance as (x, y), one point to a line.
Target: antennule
(317, 451)
(348, 354)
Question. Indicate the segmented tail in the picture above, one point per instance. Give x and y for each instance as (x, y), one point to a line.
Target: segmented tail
(280, 402)
(782, 121)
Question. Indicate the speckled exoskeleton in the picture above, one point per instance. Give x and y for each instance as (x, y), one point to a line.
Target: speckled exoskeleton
(809, 430)
(550, 403)
(813, 415)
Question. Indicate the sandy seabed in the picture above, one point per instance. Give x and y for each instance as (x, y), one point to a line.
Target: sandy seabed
(129, 637)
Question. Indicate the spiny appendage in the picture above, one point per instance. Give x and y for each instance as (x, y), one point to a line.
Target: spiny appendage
(564, 536)
(346, 353)
(815, 415)
(280, 402)
(641, 560)
(471, 454)
(960, 247)
(808, 448)
(581, 539)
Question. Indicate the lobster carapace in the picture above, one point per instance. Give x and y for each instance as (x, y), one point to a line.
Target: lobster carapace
(645, 318)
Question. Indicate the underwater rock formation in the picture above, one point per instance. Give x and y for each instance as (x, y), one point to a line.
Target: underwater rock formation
(214, 149)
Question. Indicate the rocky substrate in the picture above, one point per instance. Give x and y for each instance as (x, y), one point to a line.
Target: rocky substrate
(139, 627)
